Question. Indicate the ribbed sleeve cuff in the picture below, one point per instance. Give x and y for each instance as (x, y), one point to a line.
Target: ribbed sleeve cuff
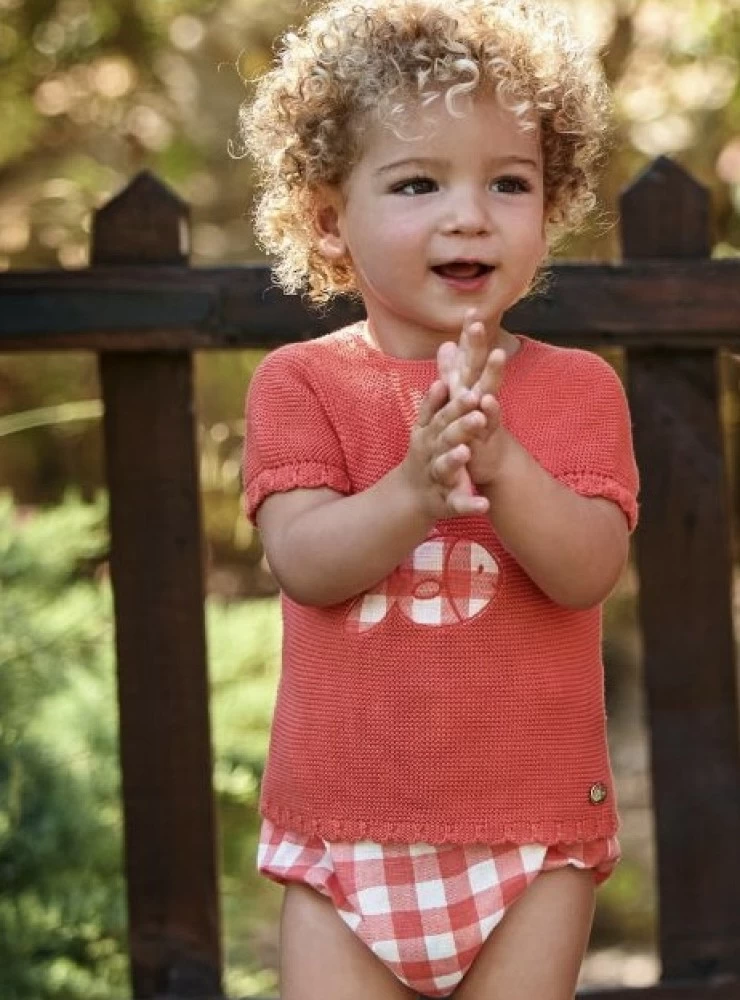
(591, 484)
(301, 476)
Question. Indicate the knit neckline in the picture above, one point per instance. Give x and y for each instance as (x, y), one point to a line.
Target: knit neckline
(425, 368)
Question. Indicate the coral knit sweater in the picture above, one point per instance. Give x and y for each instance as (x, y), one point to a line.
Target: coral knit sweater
(454, 702)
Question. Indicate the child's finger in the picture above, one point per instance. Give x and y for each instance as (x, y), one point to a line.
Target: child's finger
(447, 361)
(432, 403)
(464, 429)
(465, 402)
(474, 350)
(445, 467)
(467, 503)
(492, 374)
(492, 411)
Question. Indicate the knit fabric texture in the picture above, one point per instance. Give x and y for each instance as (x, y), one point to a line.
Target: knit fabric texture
(454, 702)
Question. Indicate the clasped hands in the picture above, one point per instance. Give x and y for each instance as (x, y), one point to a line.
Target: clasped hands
(458, 440)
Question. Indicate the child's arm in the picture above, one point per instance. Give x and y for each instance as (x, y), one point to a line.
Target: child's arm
(325, 548)
(573, 547)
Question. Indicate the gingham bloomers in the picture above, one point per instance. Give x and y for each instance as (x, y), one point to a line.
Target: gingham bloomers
(424, 910)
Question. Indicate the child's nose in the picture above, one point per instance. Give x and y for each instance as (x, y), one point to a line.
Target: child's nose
(467, 213)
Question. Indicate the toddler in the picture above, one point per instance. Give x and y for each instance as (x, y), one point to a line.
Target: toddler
(444, 502)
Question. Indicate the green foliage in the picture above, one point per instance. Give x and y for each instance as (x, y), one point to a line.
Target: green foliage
(62, 911)
(93, 90)
(626, 908)
(244, 643)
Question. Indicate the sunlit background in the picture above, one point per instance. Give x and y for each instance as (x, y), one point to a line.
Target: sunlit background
(91, 92)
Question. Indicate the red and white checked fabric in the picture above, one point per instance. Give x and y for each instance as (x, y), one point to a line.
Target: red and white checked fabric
(444, 581)
(425, 910)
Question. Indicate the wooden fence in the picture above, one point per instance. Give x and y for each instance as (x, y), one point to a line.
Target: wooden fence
(143, 310)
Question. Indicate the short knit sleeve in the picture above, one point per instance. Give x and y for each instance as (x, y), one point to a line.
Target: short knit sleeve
(290, 442)
(597, 457)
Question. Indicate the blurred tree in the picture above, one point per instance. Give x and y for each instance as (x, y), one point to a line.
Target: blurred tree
(62, 910)
(91, 91)
(61, 900)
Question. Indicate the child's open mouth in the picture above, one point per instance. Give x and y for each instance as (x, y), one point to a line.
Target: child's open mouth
(468, 275)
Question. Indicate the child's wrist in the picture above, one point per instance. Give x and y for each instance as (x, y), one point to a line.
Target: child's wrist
(503, 463)
(412, 498)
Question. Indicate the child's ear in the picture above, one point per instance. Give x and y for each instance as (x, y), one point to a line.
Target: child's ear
(326, 221)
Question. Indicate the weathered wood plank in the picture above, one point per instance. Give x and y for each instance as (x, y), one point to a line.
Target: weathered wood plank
(157, 575)
(684, 561)
(642, 304)
(697, 990)
(728, 989)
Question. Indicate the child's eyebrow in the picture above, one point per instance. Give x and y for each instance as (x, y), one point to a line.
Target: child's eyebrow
(496, 161)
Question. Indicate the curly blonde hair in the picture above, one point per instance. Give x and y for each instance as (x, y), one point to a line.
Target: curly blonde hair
(350, 61)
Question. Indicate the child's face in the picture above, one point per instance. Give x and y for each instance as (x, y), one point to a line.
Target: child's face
(450, 219)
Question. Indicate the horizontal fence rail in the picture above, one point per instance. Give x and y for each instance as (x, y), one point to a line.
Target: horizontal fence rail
(144, 310)
(663, 303)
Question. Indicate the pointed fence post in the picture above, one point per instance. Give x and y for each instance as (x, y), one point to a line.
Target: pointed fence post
(157, 574)
(684, 561)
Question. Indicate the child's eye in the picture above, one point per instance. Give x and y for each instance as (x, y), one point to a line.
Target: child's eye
(415, 185)
(512, 185)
